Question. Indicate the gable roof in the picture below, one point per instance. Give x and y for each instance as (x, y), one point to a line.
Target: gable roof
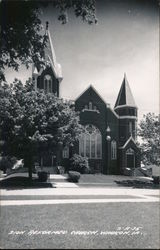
(106, 104)
(125, 97)
(130, 139)
(90, 87)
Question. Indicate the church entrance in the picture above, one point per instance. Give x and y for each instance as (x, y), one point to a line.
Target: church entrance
(130, 158)
(95, 166)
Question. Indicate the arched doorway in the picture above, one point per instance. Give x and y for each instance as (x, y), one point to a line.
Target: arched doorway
(130, 158)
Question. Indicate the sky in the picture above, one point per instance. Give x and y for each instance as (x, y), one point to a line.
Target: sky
(125, 40)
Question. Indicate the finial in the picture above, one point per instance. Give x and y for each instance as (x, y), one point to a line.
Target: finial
(47, 23)
(108, 130)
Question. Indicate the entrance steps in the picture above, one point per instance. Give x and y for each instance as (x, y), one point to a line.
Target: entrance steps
(60, 181)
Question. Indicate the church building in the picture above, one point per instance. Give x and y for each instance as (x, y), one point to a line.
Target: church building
(109, 140)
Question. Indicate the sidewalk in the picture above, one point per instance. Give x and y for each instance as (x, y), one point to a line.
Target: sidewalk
(90, 189)
(91, 181)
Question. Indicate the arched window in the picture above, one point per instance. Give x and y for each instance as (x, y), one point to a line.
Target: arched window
(130, 151)
(94, 108)
(65, 152)
(130, 128)
(113, 150)
(90, 143)
(48, 84)
(90, 106)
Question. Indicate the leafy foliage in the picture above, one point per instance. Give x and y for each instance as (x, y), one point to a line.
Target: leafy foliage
(79, 163)
(22, 41)
(7, 162)
(31, 121)
(149, 131)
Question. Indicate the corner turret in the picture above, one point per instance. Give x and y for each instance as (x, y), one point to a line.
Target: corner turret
(126, 108)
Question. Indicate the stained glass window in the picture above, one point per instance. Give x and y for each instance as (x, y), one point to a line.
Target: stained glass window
(90, 143)
(65, 152)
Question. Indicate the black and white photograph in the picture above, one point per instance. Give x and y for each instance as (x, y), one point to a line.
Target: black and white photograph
(79, 124)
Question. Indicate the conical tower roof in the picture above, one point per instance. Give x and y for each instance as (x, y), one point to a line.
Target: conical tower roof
(125, 96)
(50, 56)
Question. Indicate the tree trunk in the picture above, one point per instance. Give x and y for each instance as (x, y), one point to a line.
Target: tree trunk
(28, 163)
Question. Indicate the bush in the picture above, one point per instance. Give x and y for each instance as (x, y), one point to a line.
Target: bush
(73, 176)
(43, 176)
(79, 163)
(156, 179)
(6, 162)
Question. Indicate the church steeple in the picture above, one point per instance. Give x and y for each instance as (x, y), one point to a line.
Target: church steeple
(50, 56)
(48, 78)
(125, 96)
(126, 108)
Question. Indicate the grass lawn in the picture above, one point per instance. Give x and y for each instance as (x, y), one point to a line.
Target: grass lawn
(101, 178)
(80, 217)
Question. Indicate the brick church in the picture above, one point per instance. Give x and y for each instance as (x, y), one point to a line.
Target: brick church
(109, 140)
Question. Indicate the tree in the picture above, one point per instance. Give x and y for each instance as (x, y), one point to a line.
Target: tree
(22, 41)
(149, 131)
(33, 120)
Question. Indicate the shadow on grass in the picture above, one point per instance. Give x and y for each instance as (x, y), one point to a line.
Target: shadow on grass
(21, 182)
(137, 184)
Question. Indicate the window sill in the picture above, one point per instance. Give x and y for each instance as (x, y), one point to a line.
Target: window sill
(96, 111)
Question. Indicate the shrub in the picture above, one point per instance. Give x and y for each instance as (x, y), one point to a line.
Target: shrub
(43, 176)
(6, 162)
(156, 179)
(73, 176)
(79, 163)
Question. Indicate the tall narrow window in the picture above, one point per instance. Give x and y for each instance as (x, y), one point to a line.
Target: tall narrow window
(90, 143)
(135, 131)
(90, 105)
(48, 84)
(130, 128)
(113, 150)
(65, 152)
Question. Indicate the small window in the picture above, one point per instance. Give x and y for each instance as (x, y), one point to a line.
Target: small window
(95, 108)
(65, 153)
(48, 84)
(135, 131)
(90, 106)
(130, 128)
